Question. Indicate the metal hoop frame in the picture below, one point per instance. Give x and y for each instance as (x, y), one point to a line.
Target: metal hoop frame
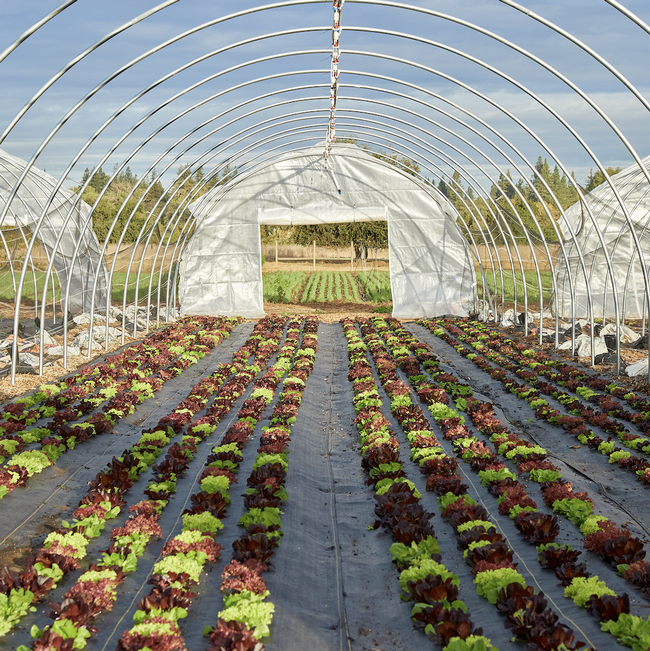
(397, 124)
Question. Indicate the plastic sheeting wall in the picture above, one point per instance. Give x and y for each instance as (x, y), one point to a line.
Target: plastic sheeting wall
(616, 235)
(26, 209)
(430, 266)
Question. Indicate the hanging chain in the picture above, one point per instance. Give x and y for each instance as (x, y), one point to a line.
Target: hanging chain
(334, 78)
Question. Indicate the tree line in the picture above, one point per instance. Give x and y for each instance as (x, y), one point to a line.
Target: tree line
(519, 209)
(147, 203)
(510, 210)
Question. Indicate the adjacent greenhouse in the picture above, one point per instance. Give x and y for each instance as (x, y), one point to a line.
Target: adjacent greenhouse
(603, 234)
(35, 209)
(431, 269)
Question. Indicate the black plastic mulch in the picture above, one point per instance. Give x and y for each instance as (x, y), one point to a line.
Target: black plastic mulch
(333, 583)
(335, 586)
(29, 514)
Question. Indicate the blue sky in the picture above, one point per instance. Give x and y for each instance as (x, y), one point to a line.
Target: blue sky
(85, 22)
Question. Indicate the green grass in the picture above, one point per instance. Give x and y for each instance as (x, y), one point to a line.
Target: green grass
(7, 292)
(531, 284)
(376, 286)
(117, 286)
(280, 286)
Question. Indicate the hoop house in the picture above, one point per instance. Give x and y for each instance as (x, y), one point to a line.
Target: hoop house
(33, 209)
(608, 221)
(430, 266)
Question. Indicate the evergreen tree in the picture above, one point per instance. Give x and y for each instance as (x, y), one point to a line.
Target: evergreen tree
(98, 179)
(594, 180)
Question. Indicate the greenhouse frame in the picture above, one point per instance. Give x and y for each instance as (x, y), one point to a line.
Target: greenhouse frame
(287, 86)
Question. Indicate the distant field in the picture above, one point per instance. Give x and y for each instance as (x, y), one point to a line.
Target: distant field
(318, 287)
(532, 285)
(331, 286)
(117, 288)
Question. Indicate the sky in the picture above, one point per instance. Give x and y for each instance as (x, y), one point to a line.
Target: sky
(477, 84)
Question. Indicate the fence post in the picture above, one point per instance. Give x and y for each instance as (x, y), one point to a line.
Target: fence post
(314, 255)
(276, 254)
(351, 255)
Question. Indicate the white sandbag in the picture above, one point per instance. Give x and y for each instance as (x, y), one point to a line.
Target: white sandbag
(48, 339)
(628, 336)
(600, 347)
(566, 345)
(114, 335)
(28, 358)
(508, 319)
(84, 319)
(130, 312)
(638, 368)
(57, 351)
(81, 341)
(484, 311)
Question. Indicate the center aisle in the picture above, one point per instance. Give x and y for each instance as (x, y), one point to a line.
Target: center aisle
(334, 583)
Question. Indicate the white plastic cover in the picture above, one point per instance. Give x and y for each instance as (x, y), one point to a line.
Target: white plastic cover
(617, 237)
(431, 269)
(24, 212)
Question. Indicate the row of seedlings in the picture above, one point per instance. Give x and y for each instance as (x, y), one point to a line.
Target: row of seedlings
(146, 375)
(103, 502)
(65, 548)
(27, 410)
(329, 286)
(580, 414)
(496, 577)
(57, 401)
(184, 557)
(247, 614)
(528, 364)
(615, 546)
(532, 363)
(423, 577)
(639, 570)
(43, 571)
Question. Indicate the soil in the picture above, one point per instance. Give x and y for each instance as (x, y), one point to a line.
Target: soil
(326, 312)
(629, 356)
(28, 382)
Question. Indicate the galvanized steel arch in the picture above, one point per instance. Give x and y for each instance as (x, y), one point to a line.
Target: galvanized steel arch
(453, 164)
